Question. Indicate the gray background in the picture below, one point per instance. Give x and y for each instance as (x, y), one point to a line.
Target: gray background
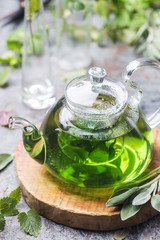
(113, 58)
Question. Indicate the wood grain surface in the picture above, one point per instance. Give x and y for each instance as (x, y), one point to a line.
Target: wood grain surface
(73, 206)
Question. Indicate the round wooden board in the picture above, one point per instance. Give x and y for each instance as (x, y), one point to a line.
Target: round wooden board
(73, 206)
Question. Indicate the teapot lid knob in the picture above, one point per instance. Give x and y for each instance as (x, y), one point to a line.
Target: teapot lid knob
(97, 74)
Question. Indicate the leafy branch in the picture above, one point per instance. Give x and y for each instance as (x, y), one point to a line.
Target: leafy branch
(133, 196)
(30, 221)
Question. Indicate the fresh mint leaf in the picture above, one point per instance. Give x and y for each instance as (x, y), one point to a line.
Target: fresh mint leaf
(129, 210)
(30, 222)
(15, 40)
(2, 222)
(155, 202)
(7, 205)
(16, 194)
(4, 76)
(5, 159)
(13, 212)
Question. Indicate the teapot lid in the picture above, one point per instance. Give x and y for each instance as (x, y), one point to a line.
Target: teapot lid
(97, 96)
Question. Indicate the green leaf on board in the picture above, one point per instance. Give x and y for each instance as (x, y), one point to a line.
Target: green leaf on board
(4, 76)
(155, 202)
(30, 222)
(129, 210)
(16, 194)
(120, 196)
(5, 159)
(143, 197)
(120, 234)
(2, 222)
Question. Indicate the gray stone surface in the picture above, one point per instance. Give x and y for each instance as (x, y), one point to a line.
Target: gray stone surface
(114, 57)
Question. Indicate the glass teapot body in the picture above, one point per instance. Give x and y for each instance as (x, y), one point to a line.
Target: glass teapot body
(81, 157)
(96, 136)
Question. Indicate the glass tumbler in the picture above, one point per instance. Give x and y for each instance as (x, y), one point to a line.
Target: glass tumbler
(73, 31)
(37, 87)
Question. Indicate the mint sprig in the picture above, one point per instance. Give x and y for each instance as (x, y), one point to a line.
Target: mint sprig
(30, 221)
(133, 196)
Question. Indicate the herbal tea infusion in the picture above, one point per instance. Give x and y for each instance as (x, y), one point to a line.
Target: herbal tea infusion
(96, 136)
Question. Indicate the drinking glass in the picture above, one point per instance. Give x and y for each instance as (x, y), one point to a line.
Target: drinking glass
(37, 87)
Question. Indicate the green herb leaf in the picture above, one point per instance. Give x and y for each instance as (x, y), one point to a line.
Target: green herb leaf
(143, 197)
(101, 7)
(7, 205)
(4, 76)
(5, 159)
(13, 212)
(11, 58)
(2, 222)
(33, 8)
(78, 5)
(120, 235)
(15, 40)
(30, 222)
(120, 196)
(155, 202)
(128, 210)
(16, 194)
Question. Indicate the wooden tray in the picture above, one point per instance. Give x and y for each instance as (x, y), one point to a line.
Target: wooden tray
(73, 206)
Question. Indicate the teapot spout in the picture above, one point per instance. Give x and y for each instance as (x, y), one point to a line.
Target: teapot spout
(33, 140)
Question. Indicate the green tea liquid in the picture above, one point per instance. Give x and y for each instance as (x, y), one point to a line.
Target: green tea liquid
(99, 164)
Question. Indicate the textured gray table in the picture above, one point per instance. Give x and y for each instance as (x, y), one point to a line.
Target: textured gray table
(114, 59)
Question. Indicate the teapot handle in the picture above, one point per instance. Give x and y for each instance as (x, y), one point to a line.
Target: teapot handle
(154, 118)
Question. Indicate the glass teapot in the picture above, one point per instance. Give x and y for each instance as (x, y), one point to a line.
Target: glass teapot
(96, 136)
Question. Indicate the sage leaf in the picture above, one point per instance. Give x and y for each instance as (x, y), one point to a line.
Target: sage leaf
(152, 187)
(120, 235)
(143, 197)
(16, 194)
(129, 210)
(7, 204)
(30, 222)
(2, 222)
(120, 196)
(5, 159)
(155, 202)
(4, 76)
